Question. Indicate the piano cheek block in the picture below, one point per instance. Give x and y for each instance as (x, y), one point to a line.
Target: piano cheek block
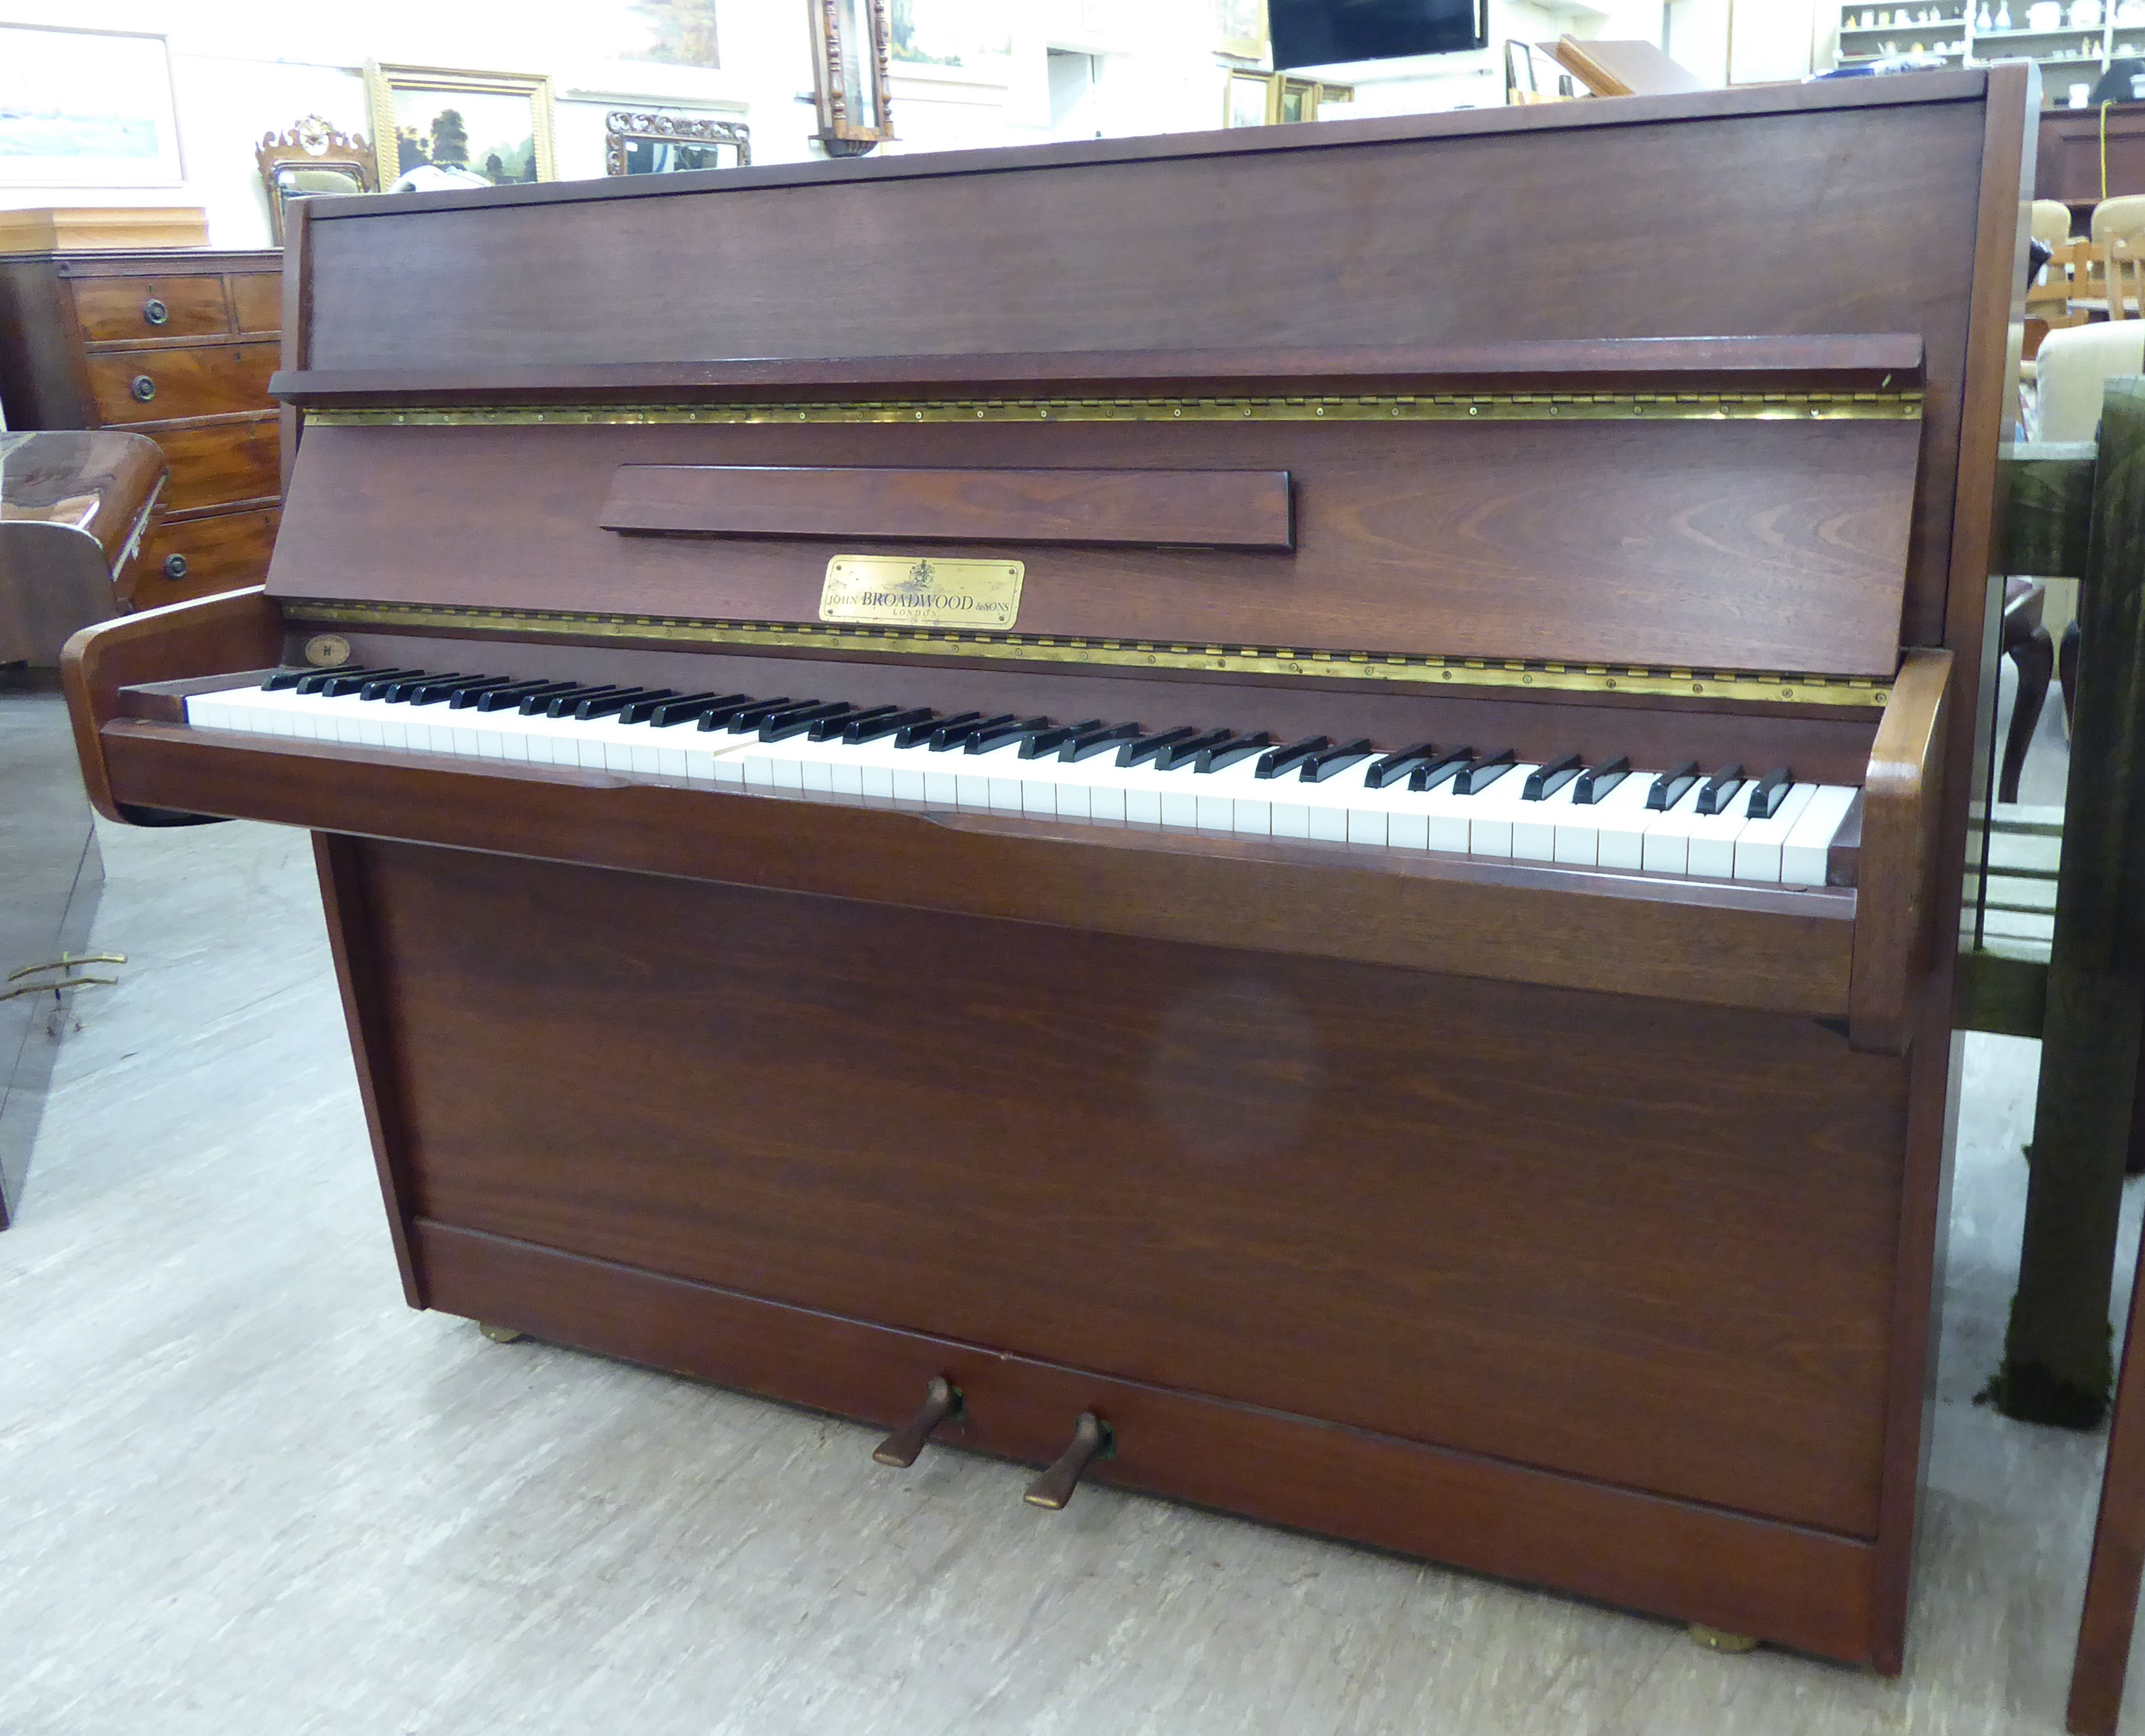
(1157, 509)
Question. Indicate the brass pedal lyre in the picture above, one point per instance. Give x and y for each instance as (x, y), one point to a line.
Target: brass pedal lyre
(942, 1398)
(1091, 1440)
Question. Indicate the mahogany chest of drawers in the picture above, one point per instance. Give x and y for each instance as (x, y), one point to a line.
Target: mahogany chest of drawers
(176, 344)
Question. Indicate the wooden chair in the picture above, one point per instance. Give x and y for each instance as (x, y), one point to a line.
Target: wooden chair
(2054, 300)
(2123, 274)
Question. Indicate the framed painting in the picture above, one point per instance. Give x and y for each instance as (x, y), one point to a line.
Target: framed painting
(1248, 98)
(970, 36)
(658, 142)
(1241, 27)
(496, 127)
(673, 33)
(85, 108)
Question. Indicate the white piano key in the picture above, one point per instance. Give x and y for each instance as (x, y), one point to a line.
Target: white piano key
(1623, 819)
(1712, 848)
(1758, 848)
(1666, 849)
(1492, 812)
(1533, 828)
(1804, 858)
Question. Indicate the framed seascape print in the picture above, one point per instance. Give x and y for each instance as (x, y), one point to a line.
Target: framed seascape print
(493, 125)
(85, 108)
(660, 143)
(1242, 26)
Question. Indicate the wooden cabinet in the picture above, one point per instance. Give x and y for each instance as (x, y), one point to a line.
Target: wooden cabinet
(2075, 146)
(178, 345)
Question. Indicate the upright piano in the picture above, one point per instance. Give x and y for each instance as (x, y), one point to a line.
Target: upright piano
(1276, 815)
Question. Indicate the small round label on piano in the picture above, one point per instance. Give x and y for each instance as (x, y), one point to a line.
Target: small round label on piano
(910, 590)
(327, 650)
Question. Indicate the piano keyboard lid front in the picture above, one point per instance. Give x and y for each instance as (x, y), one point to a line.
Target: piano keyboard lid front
(1735, 517)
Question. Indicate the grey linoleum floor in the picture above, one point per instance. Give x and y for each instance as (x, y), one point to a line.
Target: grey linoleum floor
(243, 1489)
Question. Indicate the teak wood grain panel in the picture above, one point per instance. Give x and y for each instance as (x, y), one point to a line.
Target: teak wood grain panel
(1707, 545)
(116, 309)
(1098, 246)
(257, 302)
(201, 380)
(1216, 509)
(215, 462)
(1788, 1584)
(1292, 1183)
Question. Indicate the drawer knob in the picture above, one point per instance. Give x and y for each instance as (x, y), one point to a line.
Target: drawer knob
(175, 566)
(143, 388)
(155, 312)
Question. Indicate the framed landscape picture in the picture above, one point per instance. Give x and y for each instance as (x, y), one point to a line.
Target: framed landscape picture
(85, 108)
(494, 125)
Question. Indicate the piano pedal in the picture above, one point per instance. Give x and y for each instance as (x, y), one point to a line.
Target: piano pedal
(498, 1334)
(1091, 1439)
(942, 1401)
(1719, 1639)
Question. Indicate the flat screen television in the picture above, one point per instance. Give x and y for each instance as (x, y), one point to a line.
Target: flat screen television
(1324, 32)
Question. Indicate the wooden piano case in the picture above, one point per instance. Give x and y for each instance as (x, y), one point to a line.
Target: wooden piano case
(1572, 1226)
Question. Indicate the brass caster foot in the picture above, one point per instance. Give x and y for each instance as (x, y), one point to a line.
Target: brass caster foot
(1716, 1639)
(497, 1335)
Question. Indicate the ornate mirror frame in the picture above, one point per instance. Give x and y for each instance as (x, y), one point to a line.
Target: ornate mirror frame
(623, 128)
(310, 144)
(849, 40)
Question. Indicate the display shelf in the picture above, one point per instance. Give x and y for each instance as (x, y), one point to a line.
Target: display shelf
(2067, 53)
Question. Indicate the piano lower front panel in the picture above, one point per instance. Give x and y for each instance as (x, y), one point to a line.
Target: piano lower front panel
(1636, 1242)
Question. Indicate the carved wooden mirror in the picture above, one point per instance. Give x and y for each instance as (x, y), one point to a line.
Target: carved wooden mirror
(850, 41)
(660, 143)
(311, 159)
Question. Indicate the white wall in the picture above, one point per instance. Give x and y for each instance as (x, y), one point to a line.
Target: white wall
(242, 68)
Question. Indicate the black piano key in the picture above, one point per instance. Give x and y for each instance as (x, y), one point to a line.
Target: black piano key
(895, 724)
(1141, 748)
(1440, 768)
(1320, 767)
(1596, 781)
(311, 681)
(617, 702)
(1720, 789)
(751, 720)
(539, 704)
(1482, 771)
(465, 698)
(717, 715)
(560, 705)
(401, 690)
(952, 735)
(1669, 787)
(827, 729)
(510, 698)
(1276, 761)
(1391, 768)
(438, 693)
(279, 679)
(345, 682)
(919, 734)
(1098, 740)
(784, 724)
(996, 735)
(1185, 753)
(1237, 748)
(672, 706)
(1549, 777)
(743, 719)
(1770, 791)
(1050, 740)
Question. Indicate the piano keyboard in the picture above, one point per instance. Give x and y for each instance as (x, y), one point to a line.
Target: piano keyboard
(1680, 820)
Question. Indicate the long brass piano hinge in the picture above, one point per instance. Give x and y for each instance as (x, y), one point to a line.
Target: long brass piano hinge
(1381, 407)
(1421, 670)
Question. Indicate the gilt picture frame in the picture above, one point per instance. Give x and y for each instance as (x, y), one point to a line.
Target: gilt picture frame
(86, 108)
(494, 125)
(659, 142)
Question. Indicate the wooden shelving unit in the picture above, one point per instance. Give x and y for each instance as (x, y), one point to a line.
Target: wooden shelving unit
(2072, 54)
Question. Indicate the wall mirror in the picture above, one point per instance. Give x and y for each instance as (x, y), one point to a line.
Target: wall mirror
(661, 143)
(312, 158)
(849, 76)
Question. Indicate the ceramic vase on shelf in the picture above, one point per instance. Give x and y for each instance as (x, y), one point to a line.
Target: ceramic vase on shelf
(2003, 15)
(1981, 23)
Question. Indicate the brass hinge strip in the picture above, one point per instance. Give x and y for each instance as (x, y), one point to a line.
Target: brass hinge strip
(1419, 670)
(1404, 407)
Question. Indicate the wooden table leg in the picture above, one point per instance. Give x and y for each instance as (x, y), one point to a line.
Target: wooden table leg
(2118, 1551)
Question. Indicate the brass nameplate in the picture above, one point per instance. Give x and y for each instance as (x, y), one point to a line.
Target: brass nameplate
(903, 590)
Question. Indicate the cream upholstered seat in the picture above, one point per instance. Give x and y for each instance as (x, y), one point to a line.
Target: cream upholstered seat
(2075, 364)
(2051, 222)
(2123, 216)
